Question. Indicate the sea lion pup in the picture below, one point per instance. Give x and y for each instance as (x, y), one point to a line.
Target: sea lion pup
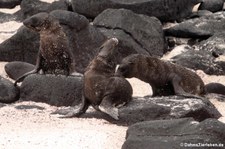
(104, 91)
(164, 77)
(54, 55)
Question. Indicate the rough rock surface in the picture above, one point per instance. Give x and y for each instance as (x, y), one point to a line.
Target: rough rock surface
(165, 10)
(202, 27)
(180, 133)
(202, 60)
(172, 107)
(55, 90)
(145, 32)
(8, 91)
(214, 44)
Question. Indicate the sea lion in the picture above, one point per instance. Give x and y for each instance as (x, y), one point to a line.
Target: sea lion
(164, 77)
(104, 91)
(54, 55)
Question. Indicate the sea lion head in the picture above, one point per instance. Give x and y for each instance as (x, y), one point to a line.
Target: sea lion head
(129, 66)
(108, 47)
(39, 22)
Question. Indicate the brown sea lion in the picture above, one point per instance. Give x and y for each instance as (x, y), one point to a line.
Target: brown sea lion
(164, 77)
(54, 56)
(104, 91)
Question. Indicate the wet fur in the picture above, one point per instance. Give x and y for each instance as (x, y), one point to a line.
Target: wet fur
(54, 56)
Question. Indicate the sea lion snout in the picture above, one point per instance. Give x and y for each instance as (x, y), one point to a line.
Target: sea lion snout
(115, 40)
(108, 48)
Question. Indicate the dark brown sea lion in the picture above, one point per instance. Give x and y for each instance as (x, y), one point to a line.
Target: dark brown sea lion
(54, 56)
(104, 91)
(164, 77)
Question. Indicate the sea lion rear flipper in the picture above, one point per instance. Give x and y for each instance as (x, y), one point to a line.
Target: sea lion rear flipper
(107, 107)
(73, 111)
(24, 76)
(69, 112)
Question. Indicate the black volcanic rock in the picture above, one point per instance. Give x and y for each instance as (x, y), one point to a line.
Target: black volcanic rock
(214, 44)
(202, 27)
(159, 108)
(165, 10)
(202, 60)
(55, 90)
(143, 33)
(172, 134)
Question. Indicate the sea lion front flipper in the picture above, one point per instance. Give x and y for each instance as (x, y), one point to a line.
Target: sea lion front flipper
(37, 68)
(107, 107)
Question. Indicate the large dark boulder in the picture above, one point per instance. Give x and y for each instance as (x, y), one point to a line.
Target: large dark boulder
(165, 10)
(8, 92)
(145, 33)
(9, 3)
(23, 46)
(55, 90)
(199, 59)
(32, 7)
(176, 134)
(159, 108)
(16, 69)
(127, 44)
(214, 44)
(211, 5)
(202, 27)
(70, 19)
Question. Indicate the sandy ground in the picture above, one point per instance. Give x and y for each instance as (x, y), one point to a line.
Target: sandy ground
(24, 128)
